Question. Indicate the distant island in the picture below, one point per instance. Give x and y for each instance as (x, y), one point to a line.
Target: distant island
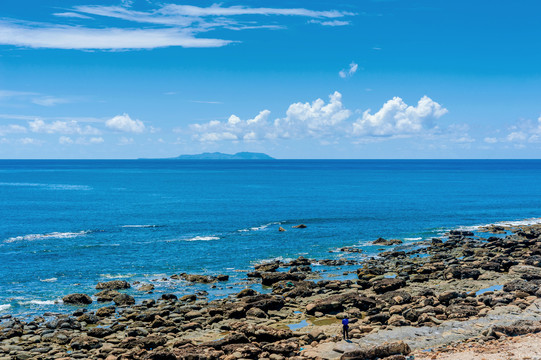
(222, 156)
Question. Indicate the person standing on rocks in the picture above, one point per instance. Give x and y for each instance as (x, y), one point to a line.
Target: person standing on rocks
(345, 328)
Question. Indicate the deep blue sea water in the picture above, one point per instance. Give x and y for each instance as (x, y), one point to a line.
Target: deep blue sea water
(65, 225)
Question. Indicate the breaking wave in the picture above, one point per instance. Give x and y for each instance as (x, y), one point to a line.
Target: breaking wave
(203, 238)
(261, 227)
(53, 235)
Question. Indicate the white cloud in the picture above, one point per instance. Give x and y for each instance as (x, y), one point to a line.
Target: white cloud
(29, 141)
(173, 25)
(125, 141)
(315, 119)
(173, 14)
(233, 129)
(125, 124)
(65, 140)
(61, 127)
(331, 122)
(11, 129)
(525, 131)
(490, 140)
(96, 140)
(75, 37)
(72, 15)
(397, 118)
(49, 101)
(330, 23)
(344, 73)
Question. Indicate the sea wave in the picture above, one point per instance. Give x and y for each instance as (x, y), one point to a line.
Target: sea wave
(40, 302)
(117, 276)
(202, 238)
(261, 227)
(413, 239)
(274, 259)
(140, 226)
(524, 222)
(53, 279)
(4, 307)
(48, 186)
(53, 235)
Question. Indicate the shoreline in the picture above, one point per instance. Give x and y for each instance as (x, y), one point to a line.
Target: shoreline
(430, 290)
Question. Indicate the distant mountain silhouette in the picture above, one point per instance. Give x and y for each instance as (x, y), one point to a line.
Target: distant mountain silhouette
(222, 156)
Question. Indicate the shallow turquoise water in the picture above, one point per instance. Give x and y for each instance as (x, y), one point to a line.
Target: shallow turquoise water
(68, 224)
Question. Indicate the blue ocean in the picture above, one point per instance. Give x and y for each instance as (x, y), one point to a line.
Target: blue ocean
(68, 224)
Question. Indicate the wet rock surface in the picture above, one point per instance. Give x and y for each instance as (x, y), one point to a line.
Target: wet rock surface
(463, 288)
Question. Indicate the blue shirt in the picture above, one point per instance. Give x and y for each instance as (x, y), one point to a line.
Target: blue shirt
(345, 322)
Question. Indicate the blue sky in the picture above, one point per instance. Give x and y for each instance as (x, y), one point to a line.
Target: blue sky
(296, 79)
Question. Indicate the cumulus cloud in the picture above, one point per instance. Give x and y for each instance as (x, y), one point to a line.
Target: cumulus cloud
(61, 127)
(344, 73)
(314, 119)
(330, 122)
(233, 129)
(125, 123)
(398, 118)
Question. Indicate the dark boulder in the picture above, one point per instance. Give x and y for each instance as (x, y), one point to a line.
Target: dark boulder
(273, 277)
(124, 300)
(113, 285)
(77, 299)
(384, 285)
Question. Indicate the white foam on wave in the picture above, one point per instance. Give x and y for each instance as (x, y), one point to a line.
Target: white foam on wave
(413, 239)
(261, 227)
(40, 302)
(53, 279)
(48, 186)
(524, 222)
(117, 276)
(53, 235)
(4, 307)
(203, 238)
(139, 226)
(274, 259)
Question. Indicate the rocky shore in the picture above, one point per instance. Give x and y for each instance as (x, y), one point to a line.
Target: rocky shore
(404, 304)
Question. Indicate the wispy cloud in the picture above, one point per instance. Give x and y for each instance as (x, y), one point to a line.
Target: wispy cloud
(172, 25)
(331, 22)
(70, 14)
(49, 101)
(205, 102)
(53, 36)
(344, 73)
